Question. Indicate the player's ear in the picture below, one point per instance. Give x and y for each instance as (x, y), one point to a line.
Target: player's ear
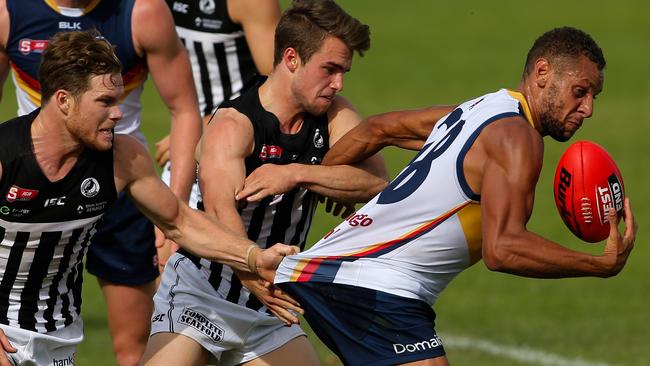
(541, 72)
(63, 100)
(291, 58)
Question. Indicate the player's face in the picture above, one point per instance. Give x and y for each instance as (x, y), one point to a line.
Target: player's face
(569, 98)
(95, 113)
(318, 80)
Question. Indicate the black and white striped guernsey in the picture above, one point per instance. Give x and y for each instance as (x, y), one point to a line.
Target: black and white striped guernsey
(45, 228)
(220, 57)
(284, 218)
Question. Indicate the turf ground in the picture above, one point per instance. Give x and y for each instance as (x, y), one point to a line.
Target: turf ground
(426, 52)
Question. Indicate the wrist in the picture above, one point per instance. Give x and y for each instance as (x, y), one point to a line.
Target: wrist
(251, 257)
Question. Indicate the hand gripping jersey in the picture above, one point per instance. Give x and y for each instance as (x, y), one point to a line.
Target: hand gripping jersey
(283, 218)
(220, 58)
(33, 23)
(416, 235)
(45, 229)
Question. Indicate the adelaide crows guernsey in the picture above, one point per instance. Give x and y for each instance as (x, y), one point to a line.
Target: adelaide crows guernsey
(283, 218)
(45, 229)
(220, 57)
(416, 235)
(33, 23)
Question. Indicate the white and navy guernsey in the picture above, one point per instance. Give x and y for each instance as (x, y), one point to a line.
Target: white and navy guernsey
(31, 25)
(283, 218)
(45, 229)
(220, 57)
(423, 229)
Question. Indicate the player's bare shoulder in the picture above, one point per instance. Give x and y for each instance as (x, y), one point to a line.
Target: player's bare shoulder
(227, 129)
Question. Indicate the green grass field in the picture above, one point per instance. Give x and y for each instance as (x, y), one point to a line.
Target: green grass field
(426, 52)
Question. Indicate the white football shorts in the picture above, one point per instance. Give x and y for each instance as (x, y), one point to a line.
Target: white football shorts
(53, 348)
(186, 304)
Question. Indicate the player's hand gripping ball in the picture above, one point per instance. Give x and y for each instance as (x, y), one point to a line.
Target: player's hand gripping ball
(587, 184)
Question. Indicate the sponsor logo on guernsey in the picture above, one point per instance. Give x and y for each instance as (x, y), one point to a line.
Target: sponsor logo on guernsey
(90, 187)
(70, 25)
(180, 7)
(424, 345)
(208, 23)
(610, 195)
(315, 160)
(68, 361)
(13, 212)
(16, 193)
(27, 46)
(270, 152)
(359, 220)
(201, 323)
(319, 142)
(56, 201)
(207, 6)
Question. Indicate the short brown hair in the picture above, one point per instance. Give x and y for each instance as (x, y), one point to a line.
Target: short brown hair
(564, 43)
(71, 59)
(306, 25)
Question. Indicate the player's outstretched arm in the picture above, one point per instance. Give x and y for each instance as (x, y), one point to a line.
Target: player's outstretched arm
(405, 129)
(191, 229)
(504, 165)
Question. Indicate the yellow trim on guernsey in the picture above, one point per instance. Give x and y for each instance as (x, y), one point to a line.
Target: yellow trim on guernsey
(33, 95)
(520, 97)
(87, 9)
(470, 220)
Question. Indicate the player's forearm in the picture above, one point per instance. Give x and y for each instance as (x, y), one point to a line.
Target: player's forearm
(185, 133)
(540, 258)
(342, 182)
(358, 144)
(208, 238)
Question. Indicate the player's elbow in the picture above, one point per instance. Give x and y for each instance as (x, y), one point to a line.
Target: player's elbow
(496, 255)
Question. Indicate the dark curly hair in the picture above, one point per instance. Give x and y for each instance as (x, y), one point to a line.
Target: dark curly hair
(71, 59)
(562, 43)
(307, 23)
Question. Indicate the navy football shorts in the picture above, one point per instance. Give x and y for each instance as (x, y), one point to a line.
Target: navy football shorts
(368, 327)
(123, 249)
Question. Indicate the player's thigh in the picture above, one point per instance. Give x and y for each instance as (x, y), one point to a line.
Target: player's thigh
(297, 352)
(129, 307)
(438, 361)
(173, 349)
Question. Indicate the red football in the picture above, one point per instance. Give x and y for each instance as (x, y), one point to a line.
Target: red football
(587, 184)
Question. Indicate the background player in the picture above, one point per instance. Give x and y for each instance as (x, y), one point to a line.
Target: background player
(467, 194)
(122, 255)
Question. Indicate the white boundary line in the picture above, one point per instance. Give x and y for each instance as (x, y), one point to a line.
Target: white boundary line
(519, 353)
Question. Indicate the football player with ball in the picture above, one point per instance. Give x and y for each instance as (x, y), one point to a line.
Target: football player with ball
(468, 194)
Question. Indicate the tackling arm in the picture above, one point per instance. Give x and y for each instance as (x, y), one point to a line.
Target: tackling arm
(512, 161)
(405, 129)
(191, 229)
